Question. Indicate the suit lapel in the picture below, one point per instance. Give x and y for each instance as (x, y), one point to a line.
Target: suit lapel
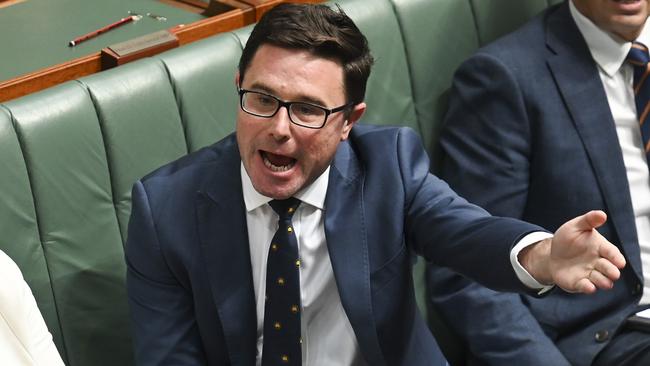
(576, 76)
(348, 248)
(224, 242)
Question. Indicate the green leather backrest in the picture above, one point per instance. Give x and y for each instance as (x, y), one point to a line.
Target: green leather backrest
(433, 55)
(203, 78)
(389, 92)
(64, 153)
(497, 17)
(243, 33)
(20, 237)
(140, 123)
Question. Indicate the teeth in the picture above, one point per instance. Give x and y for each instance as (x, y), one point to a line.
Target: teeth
(276, 168)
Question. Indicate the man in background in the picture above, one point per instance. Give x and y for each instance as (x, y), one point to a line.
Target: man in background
(544, 124)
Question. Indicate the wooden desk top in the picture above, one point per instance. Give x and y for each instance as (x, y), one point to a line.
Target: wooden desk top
(34, 34)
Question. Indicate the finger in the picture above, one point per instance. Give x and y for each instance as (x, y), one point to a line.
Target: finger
(600, 281)
(590, 220)
(585, 286)
(607, 269)
(610, 252)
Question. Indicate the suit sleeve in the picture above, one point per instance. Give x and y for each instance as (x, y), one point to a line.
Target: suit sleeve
(449, 231)
(486, 155)
(164, 327)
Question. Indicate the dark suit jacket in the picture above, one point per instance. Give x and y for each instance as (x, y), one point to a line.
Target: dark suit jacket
(189, 276)
(529, 135)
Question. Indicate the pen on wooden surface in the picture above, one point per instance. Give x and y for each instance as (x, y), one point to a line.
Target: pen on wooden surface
(99, 31)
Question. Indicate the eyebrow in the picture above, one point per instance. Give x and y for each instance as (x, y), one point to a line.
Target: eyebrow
(304, 98)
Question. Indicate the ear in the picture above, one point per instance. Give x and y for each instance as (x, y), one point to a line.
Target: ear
(237, 79)
(357, 111)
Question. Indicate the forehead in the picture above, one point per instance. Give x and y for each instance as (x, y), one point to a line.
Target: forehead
(291, 73)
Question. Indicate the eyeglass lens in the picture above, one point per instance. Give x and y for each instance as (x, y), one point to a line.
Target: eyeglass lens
(266, 106)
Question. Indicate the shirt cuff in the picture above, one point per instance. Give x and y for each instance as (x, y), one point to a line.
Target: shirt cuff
(521, 272)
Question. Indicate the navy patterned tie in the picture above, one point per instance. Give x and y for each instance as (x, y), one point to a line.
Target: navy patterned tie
(639, 58)
(282, 338)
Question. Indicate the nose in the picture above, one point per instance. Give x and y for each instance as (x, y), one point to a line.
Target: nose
(281, 124)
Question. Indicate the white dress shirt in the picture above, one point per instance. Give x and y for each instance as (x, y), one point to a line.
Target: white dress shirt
(24, 338)
(609, 52)
(327, 335)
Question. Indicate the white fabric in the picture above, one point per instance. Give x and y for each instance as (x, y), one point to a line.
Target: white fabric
(24, 338)
(522, 274)
(609, 52)
(328, 337)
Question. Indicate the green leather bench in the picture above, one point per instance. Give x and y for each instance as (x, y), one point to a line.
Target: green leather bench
(69, 154)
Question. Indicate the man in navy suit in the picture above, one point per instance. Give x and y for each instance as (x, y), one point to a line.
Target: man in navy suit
(542, 125)
(201, 228)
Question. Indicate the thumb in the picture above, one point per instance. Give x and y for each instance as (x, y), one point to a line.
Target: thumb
(591, 220)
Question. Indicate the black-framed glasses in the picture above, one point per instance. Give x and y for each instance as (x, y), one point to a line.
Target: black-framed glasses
(300, 113)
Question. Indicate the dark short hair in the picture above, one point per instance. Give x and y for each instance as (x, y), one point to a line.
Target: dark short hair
(320, 30)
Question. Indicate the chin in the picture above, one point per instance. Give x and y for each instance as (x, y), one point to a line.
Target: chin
(280, 194)
(275, 191)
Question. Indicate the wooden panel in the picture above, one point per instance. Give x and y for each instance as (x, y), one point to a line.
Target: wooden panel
(5, 3)
(50, 76)
(262, 6)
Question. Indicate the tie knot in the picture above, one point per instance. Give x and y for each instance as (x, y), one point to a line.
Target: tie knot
(638, 55)
(285, 208)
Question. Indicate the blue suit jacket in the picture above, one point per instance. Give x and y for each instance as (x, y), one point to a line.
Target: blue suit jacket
(189, 273)
(529, 135)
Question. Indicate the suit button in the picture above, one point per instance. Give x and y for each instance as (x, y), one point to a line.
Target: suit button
(637, 289)
(601, 336)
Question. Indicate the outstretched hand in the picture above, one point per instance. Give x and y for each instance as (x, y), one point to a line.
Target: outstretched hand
(578, 258)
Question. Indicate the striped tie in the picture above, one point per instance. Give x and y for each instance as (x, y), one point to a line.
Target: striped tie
(639, 58)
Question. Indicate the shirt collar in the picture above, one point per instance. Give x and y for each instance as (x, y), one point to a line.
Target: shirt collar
(313, 194)
(608, 50)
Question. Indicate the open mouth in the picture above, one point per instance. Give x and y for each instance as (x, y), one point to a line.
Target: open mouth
(277, 163)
